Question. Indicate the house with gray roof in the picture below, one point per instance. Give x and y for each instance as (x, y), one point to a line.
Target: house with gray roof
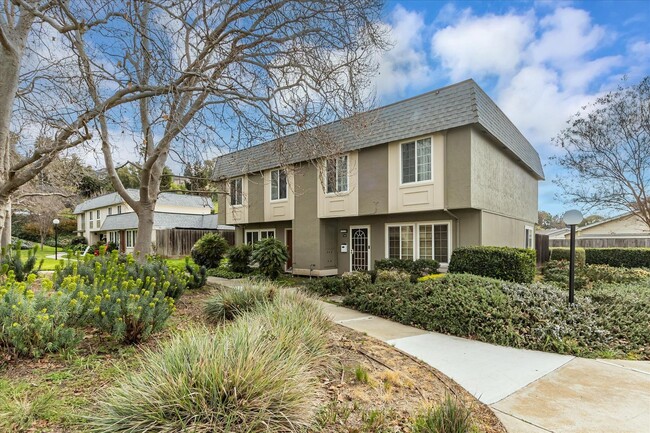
(414, 179)
(109, 218)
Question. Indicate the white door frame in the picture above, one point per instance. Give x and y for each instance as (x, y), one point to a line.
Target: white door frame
(367, 227)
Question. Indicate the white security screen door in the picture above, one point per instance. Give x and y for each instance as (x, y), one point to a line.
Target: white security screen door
(360, 248)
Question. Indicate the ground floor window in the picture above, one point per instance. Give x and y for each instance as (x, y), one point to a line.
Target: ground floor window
(130, 238)
(114, 237)
(253, 236)
(529, 241)
(411, 241)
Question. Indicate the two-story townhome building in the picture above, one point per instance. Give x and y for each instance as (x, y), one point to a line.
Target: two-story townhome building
(109, 218)
(414, 179)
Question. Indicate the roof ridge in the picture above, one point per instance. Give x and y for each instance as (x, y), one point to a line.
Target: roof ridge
(367, 112)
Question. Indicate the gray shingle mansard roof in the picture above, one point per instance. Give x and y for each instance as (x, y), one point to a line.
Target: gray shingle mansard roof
(164, 220)
(460, 104)
(165, 198)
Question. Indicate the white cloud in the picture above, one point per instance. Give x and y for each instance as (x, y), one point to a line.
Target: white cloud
(546, 62)
(405, 65)
(567, 35)
(480, 46)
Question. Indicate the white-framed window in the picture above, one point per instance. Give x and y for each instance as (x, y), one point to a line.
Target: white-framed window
(254, 236)
(278, 184)
(237, 191)
(114, 237)
(336, 172)
(119, 209)
(110, 211)
(417, 159)
(530, 238)
(99, 216)
(424, 240)
(90, 219)
(130, 238)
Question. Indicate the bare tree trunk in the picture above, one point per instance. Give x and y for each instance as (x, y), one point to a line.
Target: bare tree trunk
(145, 231)
(9, 67)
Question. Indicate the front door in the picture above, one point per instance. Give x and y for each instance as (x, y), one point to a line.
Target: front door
(360, 248)
(288, 237)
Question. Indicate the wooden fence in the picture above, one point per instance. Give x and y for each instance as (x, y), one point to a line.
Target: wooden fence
(174, 243)
(542, 249)
(603, 243)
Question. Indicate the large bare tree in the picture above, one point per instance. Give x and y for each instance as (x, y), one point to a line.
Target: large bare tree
(242, 71)
(606, 153)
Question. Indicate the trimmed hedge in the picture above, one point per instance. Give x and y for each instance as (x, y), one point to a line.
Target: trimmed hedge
(504, 263)
(532, 316)
(619, 257)
(562, 253)
(416, 268)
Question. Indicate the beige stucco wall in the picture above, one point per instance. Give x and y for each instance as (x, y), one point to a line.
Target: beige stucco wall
(503, 231)
(499, 184)
(344, 203)
(416, 196)
(279, 210)
(237, 214)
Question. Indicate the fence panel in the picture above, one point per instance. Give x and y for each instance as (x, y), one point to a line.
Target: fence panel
(604, 243)
(173, 243)
(542, 249)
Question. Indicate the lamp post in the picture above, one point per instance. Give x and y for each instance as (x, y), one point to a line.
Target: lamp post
(56, 222)
(572, 218)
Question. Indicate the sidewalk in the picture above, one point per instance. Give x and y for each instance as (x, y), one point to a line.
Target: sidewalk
(530, 391)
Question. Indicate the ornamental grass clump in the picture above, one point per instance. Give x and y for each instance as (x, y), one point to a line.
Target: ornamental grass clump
(231, 302)
(36, 321)
(451, 416)
(255, 374)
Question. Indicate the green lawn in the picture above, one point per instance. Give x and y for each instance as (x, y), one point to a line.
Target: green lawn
(44, 253)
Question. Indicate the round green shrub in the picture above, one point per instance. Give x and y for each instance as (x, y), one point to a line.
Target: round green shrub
(271, 255)
(209, 250)
(239, 258)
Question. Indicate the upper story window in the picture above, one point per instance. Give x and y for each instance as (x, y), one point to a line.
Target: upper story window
(278, 184)
(416, 161)
(337, 174)
(110, 211)
(119, 209)
(99, 215)
(237, 192)
(90, 219)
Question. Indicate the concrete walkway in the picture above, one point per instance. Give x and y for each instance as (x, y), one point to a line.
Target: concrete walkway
(530, 391)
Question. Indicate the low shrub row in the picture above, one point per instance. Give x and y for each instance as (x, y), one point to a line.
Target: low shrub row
(414, 268)
(509, 264)
(619, 257)
(534, 316)
(557, 272)
(258, 373)
(561, 253)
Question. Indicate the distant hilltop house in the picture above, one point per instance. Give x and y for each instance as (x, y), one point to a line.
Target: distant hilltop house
(179, 220)
(626, 230)
(411, 180)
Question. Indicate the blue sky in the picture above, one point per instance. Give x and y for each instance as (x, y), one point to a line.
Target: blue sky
(539, 60)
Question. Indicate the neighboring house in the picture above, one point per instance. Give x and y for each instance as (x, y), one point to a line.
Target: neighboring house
(626, 230)
(554, 233)
(109, 218)
(414, 179)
